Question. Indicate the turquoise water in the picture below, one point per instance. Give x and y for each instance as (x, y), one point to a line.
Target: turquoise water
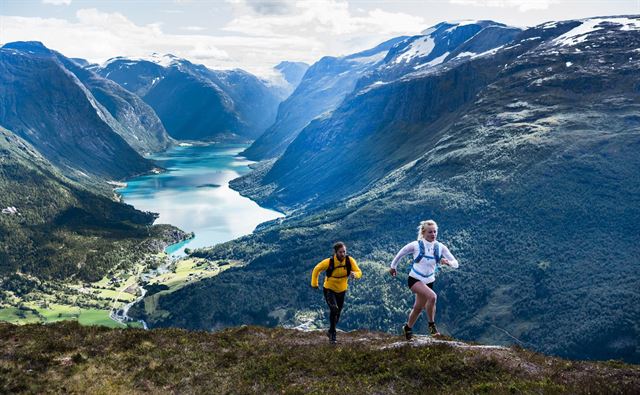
(194, 194)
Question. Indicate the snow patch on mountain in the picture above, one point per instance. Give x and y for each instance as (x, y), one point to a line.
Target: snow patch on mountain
(375, 58)
(434, 62)
(580, 33)
(161, 60)
(419, 48)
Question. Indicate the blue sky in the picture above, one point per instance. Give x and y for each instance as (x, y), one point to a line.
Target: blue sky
(257, 34)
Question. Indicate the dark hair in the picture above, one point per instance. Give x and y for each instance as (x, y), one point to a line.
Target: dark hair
(338, 246)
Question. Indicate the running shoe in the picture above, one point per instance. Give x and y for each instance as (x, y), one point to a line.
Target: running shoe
(408, 332)
(433, 330)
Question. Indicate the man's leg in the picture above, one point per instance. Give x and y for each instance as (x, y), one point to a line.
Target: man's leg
(330, 297)
(340, 302)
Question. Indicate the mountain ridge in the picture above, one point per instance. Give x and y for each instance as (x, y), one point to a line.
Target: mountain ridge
(195, 102)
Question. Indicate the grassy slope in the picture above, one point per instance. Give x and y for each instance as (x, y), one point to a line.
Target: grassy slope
(60, 357)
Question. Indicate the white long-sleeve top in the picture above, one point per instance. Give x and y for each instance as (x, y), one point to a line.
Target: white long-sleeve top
(427, 265)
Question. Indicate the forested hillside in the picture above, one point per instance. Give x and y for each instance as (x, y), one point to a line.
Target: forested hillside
(62, 230)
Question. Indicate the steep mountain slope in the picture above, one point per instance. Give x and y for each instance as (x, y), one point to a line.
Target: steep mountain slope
(194, 102)
(62, 230)
(134, 119)
(57, 358)
(329, 81)
(526, 156)
(292, 73)
(323, 87)
(46, 104)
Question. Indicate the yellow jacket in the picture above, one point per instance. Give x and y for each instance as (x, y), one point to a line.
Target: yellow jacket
(338, 281)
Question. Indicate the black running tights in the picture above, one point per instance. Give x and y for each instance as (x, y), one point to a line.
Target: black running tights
(335, 300)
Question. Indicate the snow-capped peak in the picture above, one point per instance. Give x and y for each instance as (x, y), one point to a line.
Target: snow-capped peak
(587, 26)
(161, 60)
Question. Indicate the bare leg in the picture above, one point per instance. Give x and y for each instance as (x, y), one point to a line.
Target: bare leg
(431, 306)
(424, 297)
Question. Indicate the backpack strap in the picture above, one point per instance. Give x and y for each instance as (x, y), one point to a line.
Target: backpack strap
(437, 255)
(332, 265)
(422, 252)
(347, 263)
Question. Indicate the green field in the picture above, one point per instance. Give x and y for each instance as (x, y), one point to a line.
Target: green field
(90, 304)
(56, 313)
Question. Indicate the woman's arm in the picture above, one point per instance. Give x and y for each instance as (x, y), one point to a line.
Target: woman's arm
(406, 250)
(451, 260)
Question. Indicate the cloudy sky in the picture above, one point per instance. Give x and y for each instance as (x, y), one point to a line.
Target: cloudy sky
(257, 34)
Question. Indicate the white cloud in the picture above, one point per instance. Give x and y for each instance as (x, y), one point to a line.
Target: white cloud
(57, 2)
(522, 5)
(97, 36)
(320, 18)
(194, 28)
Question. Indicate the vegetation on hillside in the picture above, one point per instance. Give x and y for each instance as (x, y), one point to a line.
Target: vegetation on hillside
(62, 230)
(68, 358)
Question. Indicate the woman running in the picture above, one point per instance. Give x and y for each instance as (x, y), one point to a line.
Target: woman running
(428, 255)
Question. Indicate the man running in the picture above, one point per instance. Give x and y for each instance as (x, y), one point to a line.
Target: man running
(338, 269)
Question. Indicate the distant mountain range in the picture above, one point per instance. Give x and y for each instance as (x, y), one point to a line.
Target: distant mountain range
(194, 102)
(47, 104)
(523, 148)
(323, 87)
(69, 131)
(330, 80)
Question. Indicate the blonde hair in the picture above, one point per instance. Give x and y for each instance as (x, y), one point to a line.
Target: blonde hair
(423, 225)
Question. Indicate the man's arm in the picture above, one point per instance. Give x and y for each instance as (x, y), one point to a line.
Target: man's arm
(355, 270)
(320, 267)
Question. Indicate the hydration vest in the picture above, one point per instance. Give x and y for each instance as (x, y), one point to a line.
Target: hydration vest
(332, 264)
(423, 254)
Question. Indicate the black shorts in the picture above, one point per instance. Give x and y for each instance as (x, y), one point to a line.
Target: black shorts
(412, 280)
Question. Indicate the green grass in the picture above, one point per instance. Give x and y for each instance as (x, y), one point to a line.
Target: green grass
(97, 317)
(59, 357)
(17, 316)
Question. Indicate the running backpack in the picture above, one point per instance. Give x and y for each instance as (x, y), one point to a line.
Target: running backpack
(423, 254)
(332, 266)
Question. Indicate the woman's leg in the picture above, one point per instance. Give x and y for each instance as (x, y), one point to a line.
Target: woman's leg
(431, 304)
(424, 297)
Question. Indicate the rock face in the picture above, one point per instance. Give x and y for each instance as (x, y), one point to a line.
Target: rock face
(194, 102)
(526, 155)
(49, 106)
